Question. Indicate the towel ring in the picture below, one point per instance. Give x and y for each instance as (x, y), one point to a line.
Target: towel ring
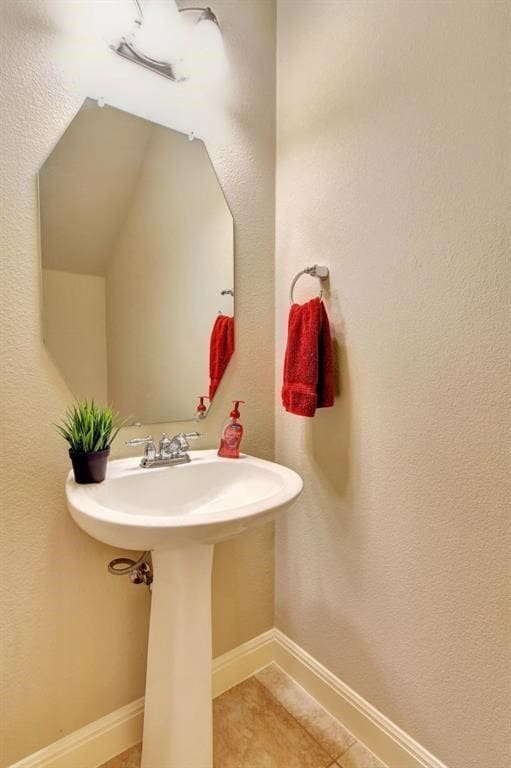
(315, 271)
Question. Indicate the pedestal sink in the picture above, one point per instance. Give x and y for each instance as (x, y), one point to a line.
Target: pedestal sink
(179, 513)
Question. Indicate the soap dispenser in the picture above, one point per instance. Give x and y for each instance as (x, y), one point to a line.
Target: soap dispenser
(231, 434)
(201, 409)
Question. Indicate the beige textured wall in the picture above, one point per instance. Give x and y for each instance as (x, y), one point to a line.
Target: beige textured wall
(73, 637)
(74, 330)
(393, 150)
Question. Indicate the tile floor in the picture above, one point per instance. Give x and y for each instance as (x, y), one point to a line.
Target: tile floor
(269, 721)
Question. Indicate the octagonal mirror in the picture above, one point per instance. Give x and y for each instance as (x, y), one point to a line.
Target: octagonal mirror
(137, 265)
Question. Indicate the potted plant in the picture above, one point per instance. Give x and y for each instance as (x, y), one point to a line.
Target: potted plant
(89, 429)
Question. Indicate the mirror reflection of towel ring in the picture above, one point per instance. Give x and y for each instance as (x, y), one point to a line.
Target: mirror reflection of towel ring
(316, 270)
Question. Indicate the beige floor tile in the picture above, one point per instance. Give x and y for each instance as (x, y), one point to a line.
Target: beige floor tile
(358, 756)
(317, 721)
(128, 759)
(252, 730)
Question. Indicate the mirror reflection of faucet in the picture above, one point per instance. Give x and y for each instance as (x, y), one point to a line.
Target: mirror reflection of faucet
(171, 450)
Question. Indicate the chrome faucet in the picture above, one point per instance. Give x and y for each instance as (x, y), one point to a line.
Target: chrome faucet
(171, 450)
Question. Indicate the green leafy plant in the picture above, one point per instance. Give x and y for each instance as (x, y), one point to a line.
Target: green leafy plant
(88, 427)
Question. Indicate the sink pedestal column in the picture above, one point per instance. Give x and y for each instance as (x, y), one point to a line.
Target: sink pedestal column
(178, 716)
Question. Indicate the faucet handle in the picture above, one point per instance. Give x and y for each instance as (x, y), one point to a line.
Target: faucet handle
(139, 440)
(183, 438)
(150, 448)
(179, 443)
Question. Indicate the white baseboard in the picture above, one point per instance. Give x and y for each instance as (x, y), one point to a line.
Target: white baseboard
(381, 736)
(235, 666)
(97, 742)
(93, 744)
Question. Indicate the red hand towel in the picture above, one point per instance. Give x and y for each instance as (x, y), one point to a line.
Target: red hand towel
(309, 361)
(221, 347)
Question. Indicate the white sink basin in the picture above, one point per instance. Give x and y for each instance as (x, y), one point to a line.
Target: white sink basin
(179, 513)
(205, 501)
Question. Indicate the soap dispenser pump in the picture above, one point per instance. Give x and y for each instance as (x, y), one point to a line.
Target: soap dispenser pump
(231, 434)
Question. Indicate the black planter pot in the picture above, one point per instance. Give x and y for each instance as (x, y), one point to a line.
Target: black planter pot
(89, 467)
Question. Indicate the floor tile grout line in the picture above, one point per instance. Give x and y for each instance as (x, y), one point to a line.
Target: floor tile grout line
(281, 706)
(355, 740)
(333, 762)
(341, 754)
(295, 719)
(329, 765)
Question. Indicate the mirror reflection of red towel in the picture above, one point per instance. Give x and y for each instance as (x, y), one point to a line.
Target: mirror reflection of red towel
(309, 362)
(221, 347)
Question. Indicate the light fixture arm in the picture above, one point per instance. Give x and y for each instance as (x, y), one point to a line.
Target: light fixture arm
(139, 11)
(127, 50)
(206, 14)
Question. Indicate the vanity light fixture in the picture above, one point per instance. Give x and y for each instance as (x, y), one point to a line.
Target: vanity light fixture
(161, 42)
